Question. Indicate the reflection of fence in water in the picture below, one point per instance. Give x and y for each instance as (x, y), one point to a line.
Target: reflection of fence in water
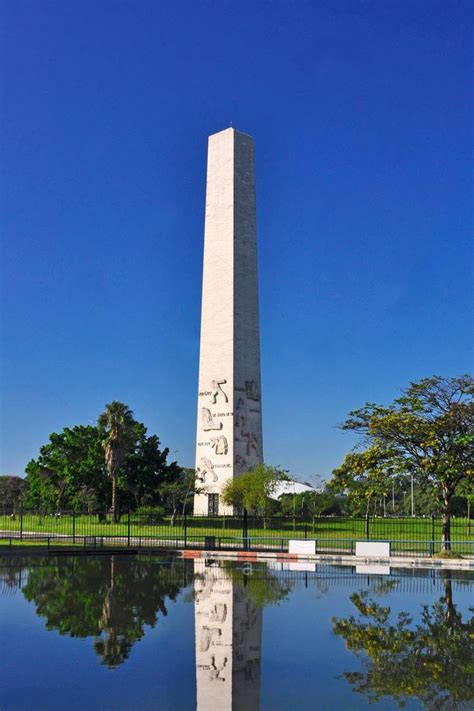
(400, 583)
(7, 588)
(402, 580)
(12, 579)
(407, 580)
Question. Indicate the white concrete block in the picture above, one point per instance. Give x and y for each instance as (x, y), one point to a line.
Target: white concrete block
(303, 547)
(373, 549)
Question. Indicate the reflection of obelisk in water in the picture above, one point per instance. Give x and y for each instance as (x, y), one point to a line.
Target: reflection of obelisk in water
(228, 642)
(229, 422)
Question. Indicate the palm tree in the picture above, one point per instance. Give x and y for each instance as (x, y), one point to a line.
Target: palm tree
(117, 427)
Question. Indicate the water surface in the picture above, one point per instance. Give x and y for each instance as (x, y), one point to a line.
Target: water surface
(126, 632)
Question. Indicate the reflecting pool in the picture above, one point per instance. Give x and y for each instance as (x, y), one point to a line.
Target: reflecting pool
(123, 632)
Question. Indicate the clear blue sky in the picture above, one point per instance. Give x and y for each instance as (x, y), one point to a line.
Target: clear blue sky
(362, 117)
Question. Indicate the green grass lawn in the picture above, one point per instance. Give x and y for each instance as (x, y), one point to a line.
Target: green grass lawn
(416, 529)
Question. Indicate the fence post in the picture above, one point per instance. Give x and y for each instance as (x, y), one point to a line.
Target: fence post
(185, 525)
(21, 521)
(245, 530)
(73, 526)
(128, 528)
(432, 527)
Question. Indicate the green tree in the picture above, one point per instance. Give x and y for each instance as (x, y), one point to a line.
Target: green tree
(309, 503)
(72, 460)
(432, 661)
(428, 432)
(254, 490)
(145, 475)
(117, 428)
(85, 500)
(426, 501)
(363, 476)
(70, 472)
(177, 491)
(12, 492)
(466, 491)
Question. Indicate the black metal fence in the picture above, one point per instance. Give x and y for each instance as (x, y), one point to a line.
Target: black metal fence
(408, 536)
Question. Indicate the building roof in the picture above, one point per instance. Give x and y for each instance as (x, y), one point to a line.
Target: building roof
(290, 487)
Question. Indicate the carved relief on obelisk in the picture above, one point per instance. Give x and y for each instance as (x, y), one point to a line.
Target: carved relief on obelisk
(229, 421)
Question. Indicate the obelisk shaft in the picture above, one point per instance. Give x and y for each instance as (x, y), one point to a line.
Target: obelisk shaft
(229, 422)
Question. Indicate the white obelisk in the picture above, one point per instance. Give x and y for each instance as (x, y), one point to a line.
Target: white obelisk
(229, 418)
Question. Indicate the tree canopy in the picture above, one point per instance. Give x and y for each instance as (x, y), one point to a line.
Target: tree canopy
(74, 469)
(70, 464)
(364, 475)
(253, 490)
(427, 433)
(12, 490)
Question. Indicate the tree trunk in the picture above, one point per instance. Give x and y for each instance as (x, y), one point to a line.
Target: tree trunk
(60, 500)
(185, 502)
(450, 613)
(446, 536)
(114, 509)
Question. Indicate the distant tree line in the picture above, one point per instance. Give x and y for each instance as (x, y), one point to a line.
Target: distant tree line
(416, 456)
(106, 468)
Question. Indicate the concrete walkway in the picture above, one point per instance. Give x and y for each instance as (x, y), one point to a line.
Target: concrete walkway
(284, 561)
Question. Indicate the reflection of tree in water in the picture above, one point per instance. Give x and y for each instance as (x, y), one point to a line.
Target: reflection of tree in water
(10, 574)
(432, 661)
(110, 598)
(259, 584)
